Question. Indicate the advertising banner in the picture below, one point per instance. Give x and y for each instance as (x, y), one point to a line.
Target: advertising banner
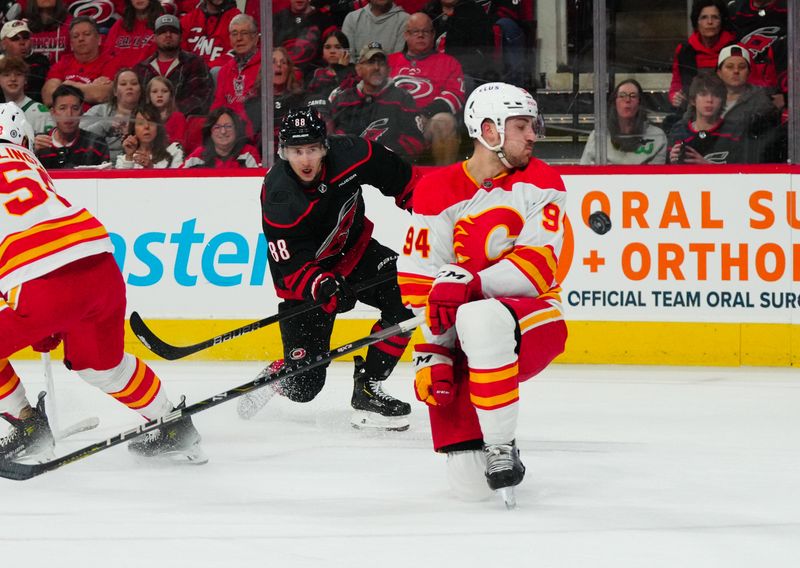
(689, 248)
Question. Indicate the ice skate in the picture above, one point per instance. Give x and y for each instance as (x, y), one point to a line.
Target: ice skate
(176, 441)
(504, 470)
(374, 408)
(252, 403)
(30, 439)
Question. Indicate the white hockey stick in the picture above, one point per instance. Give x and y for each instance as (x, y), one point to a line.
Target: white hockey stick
(52, 415)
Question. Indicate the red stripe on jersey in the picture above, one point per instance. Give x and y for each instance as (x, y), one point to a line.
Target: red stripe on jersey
(49, 224)
(40, 244)
(296, 221)
(47, 239)
(429, 199)
(67, 242)
(414, 288)
(538, 264)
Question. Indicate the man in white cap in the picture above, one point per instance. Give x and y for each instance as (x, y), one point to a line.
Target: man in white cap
(15, 39)
(748, 109)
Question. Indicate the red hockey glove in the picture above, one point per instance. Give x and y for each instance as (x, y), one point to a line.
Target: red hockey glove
(47, 344)
(433, 381)
(333, 293)
(453, 286)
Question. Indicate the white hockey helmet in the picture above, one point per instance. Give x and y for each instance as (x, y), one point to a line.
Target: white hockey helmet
(498, 102)
(14, 127)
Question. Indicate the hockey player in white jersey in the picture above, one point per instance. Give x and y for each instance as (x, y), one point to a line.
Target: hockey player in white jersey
(480, 259)
(59, 281)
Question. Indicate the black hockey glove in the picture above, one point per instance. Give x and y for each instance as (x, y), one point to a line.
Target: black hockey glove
(334, 293)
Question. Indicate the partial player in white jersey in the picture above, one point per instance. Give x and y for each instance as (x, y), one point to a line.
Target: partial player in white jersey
(481, 260)
(59, 281)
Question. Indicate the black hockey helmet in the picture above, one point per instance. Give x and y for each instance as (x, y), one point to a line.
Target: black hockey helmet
(302, 126)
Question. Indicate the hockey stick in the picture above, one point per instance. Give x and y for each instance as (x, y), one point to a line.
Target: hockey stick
(172, 352)
(21, 471)
(52, 416)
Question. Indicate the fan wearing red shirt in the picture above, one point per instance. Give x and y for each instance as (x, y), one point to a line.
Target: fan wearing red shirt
(103, 12)
(49, 26)
(130, 39)
(237, 77)
(86, 68)
(436, 82)
(205, 30)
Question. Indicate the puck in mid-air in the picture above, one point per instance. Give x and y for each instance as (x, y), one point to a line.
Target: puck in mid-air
(599, 222)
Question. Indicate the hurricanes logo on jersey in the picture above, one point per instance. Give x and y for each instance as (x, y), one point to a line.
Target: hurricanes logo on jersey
(758, 41)
(303, 49)
(375, 130)
(483, 239)
(417, 87)
(101, 11)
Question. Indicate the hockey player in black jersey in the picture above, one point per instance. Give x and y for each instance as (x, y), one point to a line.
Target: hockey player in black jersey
(320, 245)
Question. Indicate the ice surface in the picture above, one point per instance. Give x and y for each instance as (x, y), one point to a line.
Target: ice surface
(627, 467)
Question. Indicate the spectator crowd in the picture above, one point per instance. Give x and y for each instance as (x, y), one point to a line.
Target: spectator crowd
(177, 83)
(728, 93)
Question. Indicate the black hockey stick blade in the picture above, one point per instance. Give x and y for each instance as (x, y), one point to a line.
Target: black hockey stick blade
(172, 352)
(20, 471)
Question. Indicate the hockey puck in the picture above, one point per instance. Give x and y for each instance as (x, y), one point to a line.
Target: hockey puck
(599, 223)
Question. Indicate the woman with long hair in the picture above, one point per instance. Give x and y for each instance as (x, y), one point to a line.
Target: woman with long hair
(338, 71)
(631, 139)
(288, 92)
(110, 120)
(146, 145)
(287, 79)
(287, 86)
(160, 92)
(131, 38)
(225, 143)
(49, 22)
(712, 32)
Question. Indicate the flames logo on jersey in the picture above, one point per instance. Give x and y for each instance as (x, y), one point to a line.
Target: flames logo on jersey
(481, 240)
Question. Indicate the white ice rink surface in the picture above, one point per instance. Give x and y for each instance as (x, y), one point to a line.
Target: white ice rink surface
(627, 467)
